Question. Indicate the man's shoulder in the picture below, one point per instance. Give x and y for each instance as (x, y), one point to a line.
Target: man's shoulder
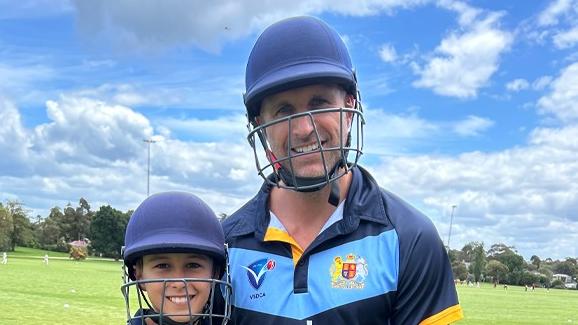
(242, 221)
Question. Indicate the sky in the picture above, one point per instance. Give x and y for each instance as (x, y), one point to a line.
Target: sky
(467, 103)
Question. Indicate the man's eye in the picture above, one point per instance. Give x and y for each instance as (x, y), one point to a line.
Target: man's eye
(319, 103)
(284, 111)
(162, 266)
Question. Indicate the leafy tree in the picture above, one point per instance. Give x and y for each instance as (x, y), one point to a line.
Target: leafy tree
(499, 249)
(454, 256)
(536, 261)
(529, 278)
(107, 231)
(6, 229)
(497, 270)
(508, 256)
(21, 232)
(47, 233)
(565, 267)
(460, 271)
(558, 284)
(467, 253)
(546, 272)
(75, 222)
(478, 260)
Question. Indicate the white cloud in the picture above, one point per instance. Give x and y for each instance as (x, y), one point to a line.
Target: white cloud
(472, 126)
(464, 62)
(22, 74)
(387, 53)
(541, 82)
(552, 13)
(517, 85)
(156, 24)
(94, 149)
(387, 133)
(14, 140)
(531, 187)
(467, 14)
(566, 39)
(229, 127)
(562, 101)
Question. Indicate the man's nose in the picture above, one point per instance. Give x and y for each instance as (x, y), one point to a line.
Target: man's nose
(302, 126)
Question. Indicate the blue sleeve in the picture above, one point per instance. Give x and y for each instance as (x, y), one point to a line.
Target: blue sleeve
(426, 292)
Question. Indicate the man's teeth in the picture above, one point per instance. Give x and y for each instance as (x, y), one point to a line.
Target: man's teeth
(179, 300)
(308, 148)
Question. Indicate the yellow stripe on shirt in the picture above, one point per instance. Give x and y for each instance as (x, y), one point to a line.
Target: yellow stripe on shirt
(275, 234)
(446, 316)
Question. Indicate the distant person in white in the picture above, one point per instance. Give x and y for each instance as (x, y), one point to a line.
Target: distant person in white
(45, 259)
(4, 258)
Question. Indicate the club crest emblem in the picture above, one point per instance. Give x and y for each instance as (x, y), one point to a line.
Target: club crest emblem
(349, 272)
(257, 271)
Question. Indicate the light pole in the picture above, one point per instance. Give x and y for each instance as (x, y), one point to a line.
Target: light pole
(149, 142)
(451, 222)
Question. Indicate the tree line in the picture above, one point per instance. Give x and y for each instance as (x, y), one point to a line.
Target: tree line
(104, 231)
(501, 264)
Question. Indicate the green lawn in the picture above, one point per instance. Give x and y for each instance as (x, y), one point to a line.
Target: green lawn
(88, 292)
(489, 305)
(62, 292)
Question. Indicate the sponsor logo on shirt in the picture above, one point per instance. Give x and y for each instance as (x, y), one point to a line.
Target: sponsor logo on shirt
(348, 272)
(257, 271)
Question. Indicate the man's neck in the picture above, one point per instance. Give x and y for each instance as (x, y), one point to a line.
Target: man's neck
(303, 214)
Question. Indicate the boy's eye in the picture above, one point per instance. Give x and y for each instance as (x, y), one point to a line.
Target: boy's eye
(194, 265)
(162, 266)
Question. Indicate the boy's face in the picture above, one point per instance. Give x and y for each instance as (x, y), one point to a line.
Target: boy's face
(173, 294)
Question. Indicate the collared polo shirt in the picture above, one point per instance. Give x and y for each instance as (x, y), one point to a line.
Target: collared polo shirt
(379, 262)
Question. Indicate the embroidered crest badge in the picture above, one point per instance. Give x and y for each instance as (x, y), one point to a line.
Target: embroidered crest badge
(349, 272)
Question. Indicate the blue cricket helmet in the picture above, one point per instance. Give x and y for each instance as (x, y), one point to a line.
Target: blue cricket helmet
(292, 53)
(173, 222)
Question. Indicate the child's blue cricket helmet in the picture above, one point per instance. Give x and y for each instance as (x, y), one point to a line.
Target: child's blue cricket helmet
(173, 222)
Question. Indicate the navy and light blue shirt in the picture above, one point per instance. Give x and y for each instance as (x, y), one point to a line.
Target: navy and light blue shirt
(377, 261)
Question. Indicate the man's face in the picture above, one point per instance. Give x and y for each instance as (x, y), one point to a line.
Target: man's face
(173, 294)
(330, 126)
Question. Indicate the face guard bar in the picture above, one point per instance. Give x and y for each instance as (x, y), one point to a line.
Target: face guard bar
(279, 171)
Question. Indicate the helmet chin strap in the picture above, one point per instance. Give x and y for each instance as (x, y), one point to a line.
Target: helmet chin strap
(320, 182)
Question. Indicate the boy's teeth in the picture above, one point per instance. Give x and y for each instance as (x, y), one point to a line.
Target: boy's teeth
(178, 300)
(308, 148)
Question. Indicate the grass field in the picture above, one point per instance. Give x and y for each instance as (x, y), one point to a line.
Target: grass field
(88, 292)
(62, 292)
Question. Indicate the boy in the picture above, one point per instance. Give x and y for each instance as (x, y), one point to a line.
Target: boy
(175, 252)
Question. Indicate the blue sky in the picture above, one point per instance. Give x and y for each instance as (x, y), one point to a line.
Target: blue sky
(472, 103)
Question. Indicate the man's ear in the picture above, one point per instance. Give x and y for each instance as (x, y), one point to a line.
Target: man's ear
(350, 101)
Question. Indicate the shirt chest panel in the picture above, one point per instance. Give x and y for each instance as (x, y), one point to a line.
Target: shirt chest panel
(343, 274)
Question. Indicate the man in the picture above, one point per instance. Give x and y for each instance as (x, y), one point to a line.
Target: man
(321, 243)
